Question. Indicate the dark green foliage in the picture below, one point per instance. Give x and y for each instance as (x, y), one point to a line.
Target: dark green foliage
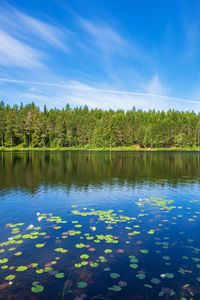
(80, 127)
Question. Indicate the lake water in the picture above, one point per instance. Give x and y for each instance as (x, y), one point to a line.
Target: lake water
(99, 225)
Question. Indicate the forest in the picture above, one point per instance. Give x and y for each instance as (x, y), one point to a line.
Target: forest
(29, 126)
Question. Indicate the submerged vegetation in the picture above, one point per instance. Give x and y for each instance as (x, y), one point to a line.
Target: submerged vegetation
(84, 252)
(27, 126)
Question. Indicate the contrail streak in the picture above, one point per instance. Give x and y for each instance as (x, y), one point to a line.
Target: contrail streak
(85, 88)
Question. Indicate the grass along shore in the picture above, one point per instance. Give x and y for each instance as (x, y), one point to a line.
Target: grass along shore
(129, 148)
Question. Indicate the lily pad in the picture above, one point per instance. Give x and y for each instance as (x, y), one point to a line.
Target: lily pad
(39, 245)
(60, 275)
(155, 280)
(140, 276)
(21, 268)
(82, 284)
(3, 261)
(108, 251)
(10, 277)
(115, 288)
(37, 289)
(114, 275)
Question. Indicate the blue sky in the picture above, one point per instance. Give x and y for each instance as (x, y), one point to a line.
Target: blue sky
(102, 53)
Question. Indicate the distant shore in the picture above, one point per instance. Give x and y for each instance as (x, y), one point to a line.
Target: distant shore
(131, 148)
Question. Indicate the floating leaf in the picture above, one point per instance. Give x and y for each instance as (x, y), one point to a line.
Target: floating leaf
(115, 288)
(21, 268)
(61, 250)
(155, 280)
(94, 265)
(10, 277)
(60, 275)
(84, 256)
(78, 265)
(37, 289)
(82, 284)
(169, 275)
(4, 267)
(108, 251)
(107, 269)
(40, 245)
(166, 257)
(134, 266)
(114, 275)
(18, 253)
(79, 245)
(140, 276)
(3, 261)
(144, 251)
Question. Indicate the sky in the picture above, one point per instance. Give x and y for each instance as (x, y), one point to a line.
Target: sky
(101, 53)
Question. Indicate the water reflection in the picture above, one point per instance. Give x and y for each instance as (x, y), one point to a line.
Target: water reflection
(81, 169)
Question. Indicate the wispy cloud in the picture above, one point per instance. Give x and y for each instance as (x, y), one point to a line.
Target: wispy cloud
(16, 53)
(21, 36)
(104, 37)
(77, 93)
(47, 32)
(155, 86)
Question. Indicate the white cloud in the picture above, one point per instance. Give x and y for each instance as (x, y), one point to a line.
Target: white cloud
(104, 37)
(47, 32)
(22, 26)
(155, 86)
(77, 93)
(16, 53)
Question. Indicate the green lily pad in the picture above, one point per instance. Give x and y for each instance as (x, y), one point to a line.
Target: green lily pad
(78, 265)
(3, 261)
(114, 275)
(140, 276)
(4, 267)
(37, 289)
(21, 268)
(94, 265)
(84, 256)
(79, 245)
(18, 253)
(155, 280)
(108, 251)
(39, 245)
(134, 266)
(144, 251)
(82, 284)
(148, 286)
(40, 271)
(61, 250)
(166, 257)
(10, 277)
(115, 288)
(60, 275)
(169, 275)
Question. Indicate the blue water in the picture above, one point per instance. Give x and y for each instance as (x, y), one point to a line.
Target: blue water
(35, 185)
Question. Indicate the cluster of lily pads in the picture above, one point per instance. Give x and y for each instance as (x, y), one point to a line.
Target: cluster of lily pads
(94, 241)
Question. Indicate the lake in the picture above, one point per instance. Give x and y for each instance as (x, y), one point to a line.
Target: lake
(99, 225)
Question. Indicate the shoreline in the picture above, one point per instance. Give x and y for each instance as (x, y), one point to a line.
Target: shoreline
(114, 149)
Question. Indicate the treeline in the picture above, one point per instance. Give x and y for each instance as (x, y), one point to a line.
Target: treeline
(80, 127)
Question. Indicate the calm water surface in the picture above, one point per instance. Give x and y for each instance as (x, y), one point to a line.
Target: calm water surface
(99, 225)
